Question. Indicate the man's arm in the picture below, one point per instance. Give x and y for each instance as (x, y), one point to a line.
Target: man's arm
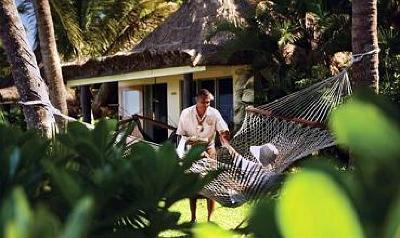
(223, 130)
(181, 124)
(224, 137)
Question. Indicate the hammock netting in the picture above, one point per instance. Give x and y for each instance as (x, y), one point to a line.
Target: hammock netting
(295, 126)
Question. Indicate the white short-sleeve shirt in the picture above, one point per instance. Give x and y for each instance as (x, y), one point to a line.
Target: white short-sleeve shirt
(190, 124)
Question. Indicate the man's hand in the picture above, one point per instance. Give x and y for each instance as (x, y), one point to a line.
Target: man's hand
(224, 137)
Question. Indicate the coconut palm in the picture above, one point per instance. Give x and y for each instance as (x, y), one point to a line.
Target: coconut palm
(97, 28)
(364, 39)
(24, 69)
(50, 58)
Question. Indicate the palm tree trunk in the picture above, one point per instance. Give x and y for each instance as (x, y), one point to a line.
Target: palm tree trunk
(364, 39)
(100, 99)
(51, 60)
(24, 69)
(85, 103)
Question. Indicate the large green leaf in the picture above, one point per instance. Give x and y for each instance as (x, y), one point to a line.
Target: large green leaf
(78, 222)
(364, 128)
(66, 183)
(261, 222)
(16, 215)
(393, 220)
(44, 224)
(312, 205)
(208, 230)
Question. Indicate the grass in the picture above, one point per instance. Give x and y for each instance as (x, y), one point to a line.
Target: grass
(227, 218)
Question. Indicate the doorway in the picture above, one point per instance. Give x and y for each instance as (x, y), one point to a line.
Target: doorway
(156, 107)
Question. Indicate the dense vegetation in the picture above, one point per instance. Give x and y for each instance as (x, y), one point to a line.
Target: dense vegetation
(89, 180)
(89, 183)
(296, 43)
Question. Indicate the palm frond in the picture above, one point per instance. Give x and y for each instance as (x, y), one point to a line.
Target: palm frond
(284, 32)
(67, 25)
(335, 35)
(389, 40)
(137, 30)
(108, 24)
(136, 20)
(224, 26)
(92, 12)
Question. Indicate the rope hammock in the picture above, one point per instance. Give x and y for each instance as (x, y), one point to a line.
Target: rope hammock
(271, 138)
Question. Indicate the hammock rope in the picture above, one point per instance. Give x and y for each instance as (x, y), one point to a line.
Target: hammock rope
(294, 125)
(285, 130)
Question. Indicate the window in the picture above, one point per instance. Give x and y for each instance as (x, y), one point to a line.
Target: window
(224, 99)
(131, 102)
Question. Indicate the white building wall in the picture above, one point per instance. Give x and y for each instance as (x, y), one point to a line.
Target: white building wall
(174, 101)
(174, 90)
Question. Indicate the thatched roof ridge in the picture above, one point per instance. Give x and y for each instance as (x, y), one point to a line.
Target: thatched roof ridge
(186, 30)
(180, 41)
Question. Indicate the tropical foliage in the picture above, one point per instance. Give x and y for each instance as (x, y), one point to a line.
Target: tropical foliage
(90, 181)
(93, 28)
(296, 43)
(98, 28)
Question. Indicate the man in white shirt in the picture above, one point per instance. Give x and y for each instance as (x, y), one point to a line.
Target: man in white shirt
(198, 124)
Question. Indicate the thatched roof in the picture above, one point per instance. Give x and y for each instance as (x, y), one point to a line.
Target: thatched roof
(187, 29)
(124, 63)
(180, 41)
(11, 95)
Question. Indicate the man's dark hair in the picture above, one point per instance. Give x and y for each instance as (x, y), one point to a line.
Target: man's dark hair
(204, 93)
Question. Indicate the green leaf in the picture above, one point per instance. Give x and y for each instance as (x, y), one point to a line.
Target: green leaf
(15, 159)
(260, 221)
(78, 222)
(16, 215)
(69, 187)
(102, 133)
(44, 224)
(364, 128)
(312, 205)
(207, 230)
(193, 155)
(393, 220)
(167, 161)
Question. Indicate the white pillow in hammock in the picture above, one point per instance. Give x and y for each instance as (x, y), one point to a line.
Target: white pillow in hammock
(265, 154)
(180, 150)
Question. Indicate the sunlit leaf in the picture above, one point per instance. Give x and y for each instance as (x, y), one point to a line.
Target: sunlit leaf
(16, 215)
(102, 133)
(312, 205)
(211, 231)
(365, 129)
